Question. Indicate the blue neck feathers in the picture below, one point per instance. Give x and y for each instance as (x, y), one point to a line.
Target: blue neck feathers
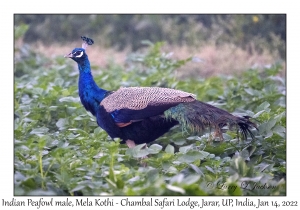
(90, 94)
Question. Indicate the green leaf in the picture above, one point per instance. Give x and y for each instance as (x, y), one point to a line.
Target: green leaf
(120, 183)
(153, 175)
(137, 151)
(258, 113)
(244, 154)
(53, 108)
(69, 99)
(240, 166)
(97, 130)
(154, 149)
(78, 188)
(185, 148)
(30, 183)
(62, 123)
(170, 149)
(279, 129)
(111, 183)
(262, 106)
(175, 189)
(191, 179)
(41, 130)
(210, 169)
(192, 156)
(179, 141)
(196, 169)
(267, 126)
(112, 175)
(252, 92)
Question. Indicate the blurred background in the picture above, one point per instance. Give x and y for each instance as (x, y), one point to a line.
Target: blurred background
(224, 44)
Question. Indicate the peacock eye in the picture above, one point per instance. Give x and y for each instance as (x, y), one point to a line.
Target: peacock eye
(78, 54)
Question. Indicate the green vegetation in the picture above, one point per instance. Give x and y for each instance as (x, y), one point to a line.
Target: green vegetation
(60, 150)
(224, 44)
(253, 32)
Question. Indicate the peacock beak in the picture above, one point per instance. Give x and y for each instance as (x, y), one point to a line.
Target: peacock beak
(70, 55)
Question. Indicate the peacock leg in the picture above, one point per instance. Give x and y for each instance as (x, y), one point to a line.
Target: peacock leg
(130, 143)
(218, 133)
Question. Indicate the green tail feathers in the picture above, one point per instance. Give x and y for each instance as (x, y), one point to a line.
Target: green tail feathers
(196, 116)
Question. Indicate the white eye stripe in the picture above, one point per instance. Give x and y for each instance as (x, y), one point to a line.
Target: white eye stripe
(78, 56)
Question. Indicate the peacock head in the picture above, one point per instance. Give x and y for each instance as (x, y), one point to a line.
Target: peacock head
(78, 54)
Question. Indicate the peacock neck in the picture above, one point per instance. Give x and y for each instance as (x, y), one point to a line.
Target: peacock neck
(90, 94)
(84, 65)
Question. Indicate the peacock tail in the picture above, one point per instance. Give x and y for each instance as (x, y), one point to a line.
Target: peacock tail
(197, 116)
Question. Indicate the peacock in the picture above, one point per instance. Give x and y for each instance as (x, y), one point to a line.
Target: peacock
(140, 115)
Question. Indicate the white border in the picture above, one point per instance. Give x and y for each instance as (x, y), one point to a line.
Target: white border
(112, 6)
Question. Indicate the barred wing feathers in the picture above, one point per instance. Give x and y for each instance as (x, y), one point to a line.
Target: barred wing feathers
(136, 103)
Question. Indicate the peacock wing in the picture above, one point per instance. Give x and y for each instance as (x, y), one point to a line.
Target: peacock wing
(127, 105)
